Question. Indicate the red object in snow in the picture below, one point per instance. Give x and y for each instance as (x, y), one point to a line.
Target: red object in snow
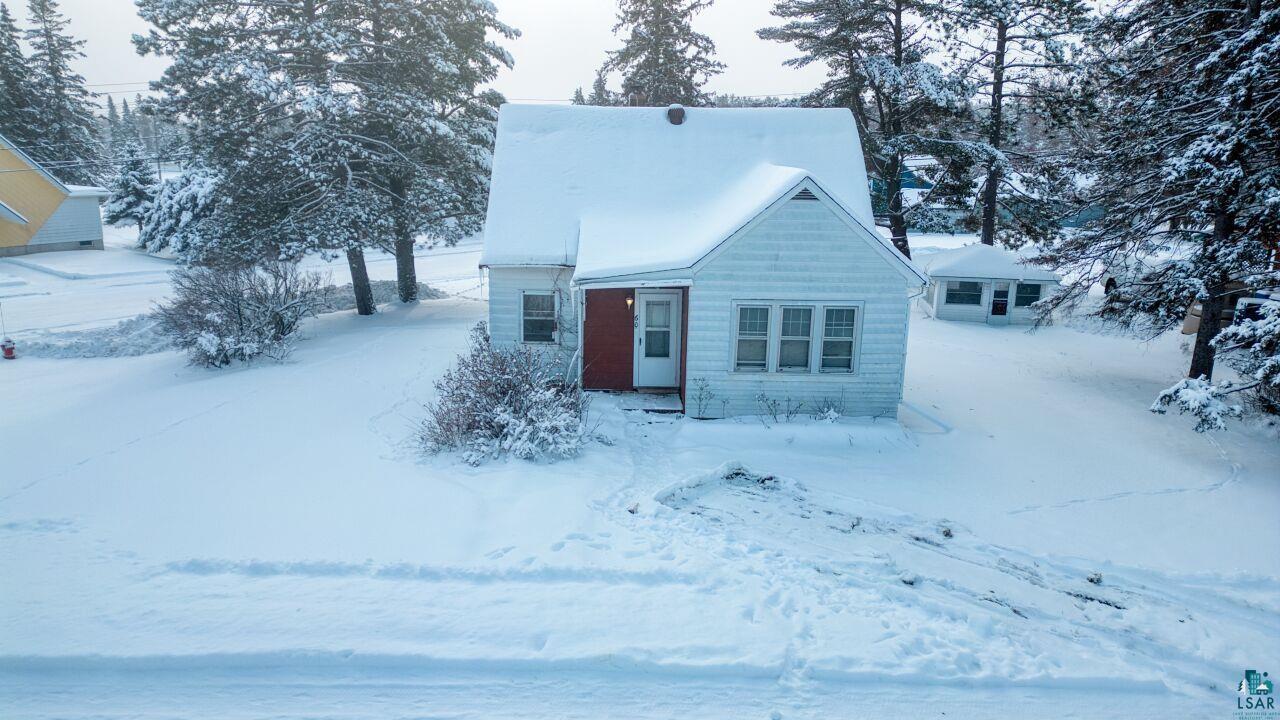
(10, 350)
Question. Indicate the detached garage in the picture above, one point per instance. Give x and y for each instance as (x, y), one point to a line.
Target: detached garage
(39, 213)
(981, 283)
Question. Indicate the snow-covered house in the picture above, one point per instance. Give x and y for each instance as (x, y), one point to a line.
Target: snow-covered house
(982, 283)
(39, 213)
(657, 248)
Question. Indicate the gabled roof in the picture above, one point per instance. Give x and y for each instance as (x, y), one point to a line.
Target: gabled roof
(984, 261)
(623, 190)
(7, 145)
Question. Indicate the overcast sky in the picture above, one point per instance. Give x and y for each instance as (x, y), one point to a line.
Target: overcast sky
(563, 42)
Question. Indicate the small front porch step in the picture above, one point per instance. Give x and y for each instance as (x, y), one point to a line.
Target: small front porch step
(647, 401)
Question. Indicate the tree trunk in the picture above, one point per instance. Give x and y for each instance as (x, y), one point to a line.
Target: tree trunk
(360, 282)
(406, 273)
(991, 190)
(1211, 307)
(897, 218)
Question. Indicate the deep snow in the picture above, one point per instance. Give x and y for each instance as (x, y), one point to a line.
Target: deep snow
(266, 540)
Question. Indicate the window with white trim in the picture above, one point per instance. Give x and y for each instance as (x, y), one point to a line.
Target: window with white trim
(839, 331)
(796, 339)
(964, 292)
(538, 317)
(751, 352)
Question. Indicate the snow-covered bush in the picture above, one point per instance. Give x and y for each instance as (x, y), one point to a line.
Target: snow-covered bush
(501, 400)
(219, 315)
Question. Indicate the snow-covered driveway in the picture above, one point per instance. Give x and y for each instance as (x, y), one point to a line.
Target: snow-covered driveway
(265, 541)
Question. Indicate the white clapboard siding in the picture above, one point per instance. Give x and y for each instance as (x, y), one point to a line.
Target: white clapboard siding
(506, 284)
(803, 252)
(75, 221)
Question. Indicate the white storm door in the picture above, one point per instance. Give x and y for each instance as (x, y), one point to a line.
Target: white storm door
(657, 345)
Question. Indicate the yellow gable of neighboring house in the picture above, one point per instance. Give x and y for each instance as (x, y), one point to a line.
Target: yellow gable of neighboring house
(27, 192)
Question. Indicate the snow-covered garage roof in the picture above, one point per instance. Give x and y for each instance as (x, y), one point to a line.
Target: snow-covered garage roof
(984, 261)
(624, 190)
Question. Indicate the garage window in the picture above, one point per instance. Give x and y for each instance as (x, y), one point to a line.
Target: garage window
(964, 292)
(1027, 294)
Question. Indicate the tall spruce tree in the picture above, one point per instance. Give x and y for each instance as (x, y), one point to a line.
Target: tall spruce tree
(876, 52)
(133, 190)
(662, 59)
(428, 126)
(113, 128)
(68, 140)
(18, 120)
(1185, 164)
(1014, 50)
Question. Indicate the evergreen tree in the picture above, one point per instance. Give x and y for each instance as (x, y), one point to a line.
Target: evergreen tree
(876, 52)
(128, 124)
(181, 216)
(428, 127)
(17, 116)
(662, 59)
(68, 143)
(133, 191)
(1185, 164)
(113, 127)
(1012, 50)
(601, 95)
(578, 97)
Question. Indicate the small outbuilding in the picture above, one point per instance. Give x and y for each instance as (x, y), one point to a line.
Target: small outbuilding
(731, 251)
(982, 283)
(39, 213)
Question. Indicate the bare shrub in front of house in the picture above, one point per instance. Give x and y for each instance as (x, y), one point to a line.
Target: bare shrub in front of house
(505, 400)
(220, 315)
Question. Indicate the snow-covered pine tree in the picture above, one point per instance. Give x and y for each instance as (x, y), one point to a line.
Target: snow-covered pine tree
(427, 125)
(1185, 164)
(179, 217)
(133, 191)
(601, 95)
(68, 142)
(115, 141)
(273, 107)
(663, 60)
(1017, 50)
(128, 124)
(17, 116)
(877, 54)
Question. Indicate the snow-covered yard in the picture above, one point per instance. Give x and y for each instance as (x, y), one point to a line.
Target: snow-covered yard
(267, 539)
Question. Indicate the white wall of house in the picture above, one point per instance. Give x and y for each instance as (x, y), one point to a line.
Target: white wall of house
(801, 255)
(937, 306)
(76, 221)
(507, 286)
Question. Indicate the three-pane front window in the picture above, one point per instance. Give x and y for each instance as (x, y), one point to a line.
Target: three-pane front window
(753, 339)
(796, 338)
(538, 319)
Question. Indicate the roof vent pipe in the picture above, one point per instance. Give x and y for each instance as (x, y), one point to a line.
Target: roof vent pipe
(675, 114)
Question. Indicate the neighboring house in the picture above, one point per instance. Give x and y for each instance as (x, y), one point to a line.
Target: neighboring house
(652, 248)
(38, 213)
(981, 283)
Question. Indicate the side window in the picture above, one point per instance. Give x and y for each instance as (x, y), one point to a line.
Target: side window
(796, 339)
(752, 351)
(838, 333)
(538, 317)
(964, 292)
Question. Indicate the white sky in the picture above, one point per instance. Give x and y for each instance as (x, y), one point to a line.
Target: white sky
(563, 43)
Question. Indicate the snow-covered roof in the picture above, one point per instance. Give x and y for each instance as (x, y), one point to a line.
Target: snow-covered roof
(623, 190)
(87, 191)
(984, 261)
